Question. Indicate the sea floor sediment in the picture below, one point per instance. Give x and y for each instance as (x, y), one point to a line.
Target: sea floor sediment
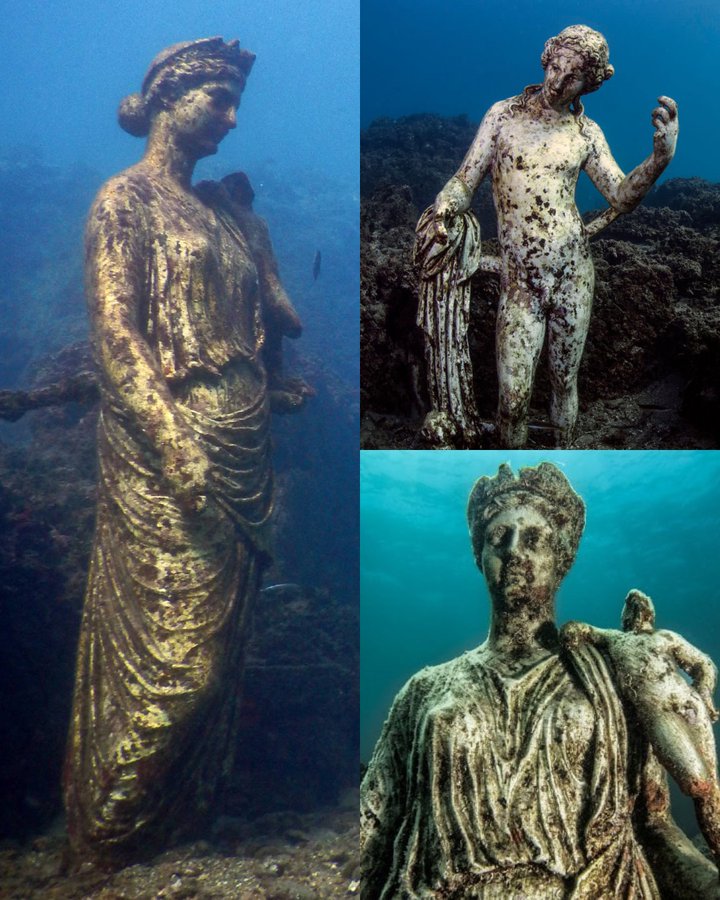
(280, 856)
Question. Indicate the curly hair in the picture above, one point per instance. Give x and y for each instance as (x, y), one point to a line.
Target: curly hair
(590, 45)
(545, 489)
(592, 48)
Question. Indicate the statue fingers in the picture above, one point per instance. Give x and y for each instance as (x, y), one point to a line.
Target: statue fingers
(441, 231)
(670, 105)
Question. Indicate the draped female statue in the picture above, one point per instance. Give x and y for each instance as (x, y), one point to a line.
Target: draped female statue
(515, 770)
(185, 494)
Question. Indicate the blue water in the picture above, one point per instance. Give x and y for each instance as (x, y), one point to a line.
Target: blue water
(653, 520)
(65, 67)
(419, 56)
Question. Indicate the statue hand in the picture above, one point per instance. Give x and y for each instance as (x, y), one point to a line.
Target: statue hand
(572, 634)
(707, 699)
(454, 198)
(187, 469)
(443, 212)
(665, 121)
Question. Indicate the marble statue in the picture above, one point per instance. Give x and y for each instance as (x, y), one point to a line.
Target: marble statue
(515, 770)
(533, 146)
(676, 716)
(180, 295)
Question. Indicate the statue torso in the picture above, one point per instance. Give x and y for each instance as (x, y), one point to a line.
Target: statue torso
(196, 283)
(535, 167)
(500, 780)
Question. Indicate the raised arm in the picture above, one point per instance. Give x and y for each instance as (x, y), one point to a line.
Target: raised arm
(624, 192)
(115, 272)
(457, 194)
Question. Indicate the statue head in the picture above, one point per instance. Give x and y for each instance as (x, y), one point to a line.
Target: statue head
(638, 612)
(590, 46)
(179, 69)
(543, 498)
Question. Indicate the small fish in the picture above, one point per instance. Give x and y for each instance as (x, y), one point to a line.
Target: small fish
(286, 590)
(316, 265)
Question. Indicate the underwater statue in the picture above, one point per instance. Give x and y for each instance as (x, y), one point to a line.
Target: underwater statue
(179, 298)
(534, 146)
(514, 770)
(676, 717)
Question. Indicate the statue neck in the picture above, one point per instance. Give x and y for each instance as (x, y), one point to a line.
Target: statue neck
(164, 153)
(523, 628)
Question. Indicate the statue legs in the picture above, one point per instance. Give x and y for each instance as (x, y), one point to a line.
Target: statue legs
(568, 325)
(518, 342)
(524, 315)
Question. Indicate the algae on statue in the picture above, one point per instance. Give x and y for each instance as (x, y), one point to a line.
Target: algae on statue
(515, 770)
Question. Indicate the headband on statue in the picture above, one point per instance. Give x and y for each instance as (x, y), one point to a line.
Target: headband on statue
(180, 68)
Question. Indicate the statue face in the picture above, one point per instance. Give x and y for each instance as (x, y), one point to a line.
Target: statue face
(203, 116)
(519, 558)
(564, 78)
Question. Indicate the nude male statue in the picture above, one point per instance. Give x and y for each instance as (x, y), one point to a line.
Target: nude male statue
(534, 146)
(676, 717)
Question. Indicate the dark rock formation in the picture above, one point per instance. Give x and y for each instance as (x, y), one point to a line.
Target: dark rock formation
(650, 376)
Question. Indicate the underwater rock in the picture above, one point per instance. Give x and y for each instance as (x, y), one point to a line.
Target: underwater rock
(257, 860)
(515, 770)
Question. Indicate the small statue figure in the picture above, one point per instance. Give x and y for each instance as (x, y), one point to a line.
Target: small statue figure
(534, 146)
(179, 303)
(235, 195)
(511, 771)
(675, 716)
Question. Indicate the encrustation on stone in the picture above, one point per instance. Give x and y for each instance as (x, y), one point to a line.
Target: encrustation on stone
(514, 770)
(533, 146)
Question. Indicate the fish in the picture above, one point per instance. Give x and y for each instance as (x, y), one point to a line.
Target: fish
(287, 590)
(316, 265)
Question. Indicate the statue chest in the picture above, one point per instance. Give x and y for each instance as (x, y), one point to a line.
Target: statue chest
(529, 152)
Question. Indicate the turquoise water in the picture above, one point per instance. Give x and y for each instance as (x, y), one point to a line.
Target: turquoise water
(653, 520)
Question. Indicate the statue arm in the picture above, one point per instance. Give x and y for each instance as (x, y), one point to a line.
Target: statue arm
(624, 192)
(574, 633)
(115, 264)
(382, 799)
(699, 667)
(457, 194)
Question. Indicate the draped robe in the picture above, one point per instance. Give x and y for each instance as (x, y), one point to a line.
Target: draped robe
(490, 786)
(177, 332)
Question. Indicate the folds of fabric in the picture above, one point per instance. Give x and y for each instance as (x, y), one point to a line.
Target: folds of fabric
(444, 311)
(482, 784)
(166, 610)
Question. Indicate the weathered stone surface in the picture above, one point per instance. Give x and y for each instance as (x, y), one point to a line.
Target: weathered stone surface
(515, 770)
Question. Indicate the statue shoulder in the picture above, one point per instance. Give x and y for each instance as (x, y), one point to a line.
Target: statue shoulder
(591, 129)
(127, 193)
(501, 111)
(433, 679)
